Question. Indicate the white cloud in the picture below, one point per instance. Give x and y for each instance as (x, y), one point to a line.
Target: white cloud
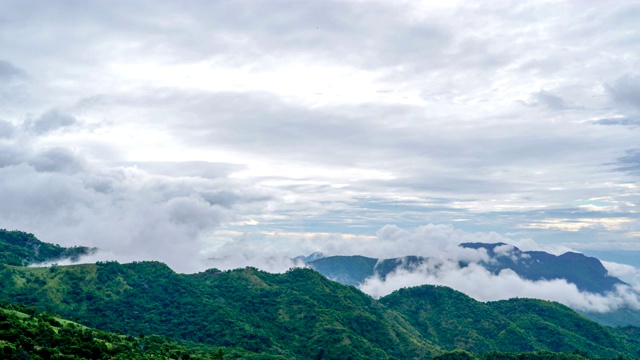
(311, 119)
(477, 282)
(621, 270)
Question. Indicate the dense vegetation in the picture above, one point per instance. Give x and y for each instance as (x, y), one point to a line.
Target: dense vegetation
(297, 315)
(21, 249)
(28, 334)
(301, 314)
(516, 325)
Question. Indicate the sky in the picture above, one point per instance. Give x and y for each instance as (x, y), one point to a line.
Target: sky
(186, 131)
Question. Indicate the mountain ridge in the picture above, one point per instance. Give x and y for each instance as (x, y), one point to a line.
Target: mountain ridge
(301, 314)
(587, 273)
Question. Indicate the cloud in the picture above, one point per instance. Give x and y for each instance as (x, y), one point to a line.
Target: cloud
(127, 213)
(626, 90)
(440, 245)
(622, 121)
(439, 242)
(549, 100)
(203, 169)
(477, 282)
(302, 122)
(621, 270)
(51, 120)
(6, 129)
(10, 72)
(630, 162)
(57, 160)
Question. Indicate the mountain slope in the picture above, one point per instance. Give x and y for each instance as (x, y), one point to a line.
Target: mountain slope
(587, 273)
(27, 333)
(455, 321)
(347, 270)
(296, 315)
(300, 314)
(21, 249)
(558, 328)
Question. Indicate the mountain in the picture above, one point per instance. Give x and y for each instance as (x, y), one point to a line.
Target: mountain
(296, 315)
(21, 249)
(28, 334)
(458, 322)
(587, 273)
(299, 314)
(347, 270)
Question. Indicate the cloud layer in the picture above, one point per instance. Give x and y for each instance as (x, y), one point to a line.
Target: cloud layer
(182, 132)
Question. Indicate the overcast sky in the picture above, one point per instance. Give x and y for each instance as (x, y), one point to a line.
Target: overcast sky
(181, 130)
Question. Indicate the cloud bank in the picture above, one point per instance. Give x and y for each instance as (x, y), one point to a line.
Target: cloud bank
(477, 282)
(296, 127)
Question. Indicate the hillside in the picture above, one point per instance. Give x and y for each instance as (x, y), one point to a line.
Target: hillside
(300, 314)
(296, 315)
(28, 334)
(20, 249)
(459, 322)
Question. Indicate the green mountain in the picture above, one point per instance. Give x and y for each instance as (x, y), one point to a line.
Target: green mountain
(296, 315)
(459, 322)
(299, 314)
(21, 249)
(29, 334)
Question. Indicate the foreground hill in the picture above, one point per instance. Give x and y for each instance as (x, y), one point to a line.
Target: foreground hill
(301, 314)
(29, 334)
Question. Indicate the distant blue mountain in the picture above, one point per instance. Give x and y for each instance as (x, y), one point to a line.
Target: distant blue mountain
(587, 273)
(307, 259)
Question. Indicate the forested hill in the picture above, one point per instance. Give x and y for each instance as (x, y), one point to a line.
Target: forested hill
(296, 315)
(21, 249)
(301, 314)
(29, 334)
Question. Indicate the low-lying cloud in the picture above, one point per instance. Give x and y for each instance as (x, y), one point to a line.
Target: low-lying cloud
(479, 283)
(439, 244)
